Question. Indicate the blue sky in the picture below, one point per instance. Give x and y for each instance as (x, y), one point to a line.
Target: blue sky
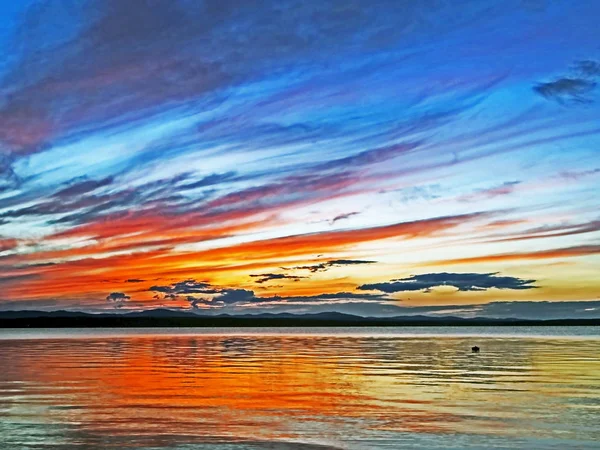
(207, 142)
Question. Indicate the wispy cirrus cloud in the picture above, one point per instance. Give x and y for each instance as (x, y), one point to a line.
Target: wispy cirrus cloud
(551, 231)
(324, 266)
(506, 188)
(557, 253)
(158, 141)
(7, 244)
(265, 277)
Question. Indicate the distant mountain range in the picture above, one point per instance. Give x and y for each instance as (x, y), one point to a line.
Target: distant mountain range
(178, 318)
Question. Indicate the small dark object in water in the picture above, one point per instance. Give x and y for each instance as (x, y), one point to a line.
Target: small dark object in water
(475, 349)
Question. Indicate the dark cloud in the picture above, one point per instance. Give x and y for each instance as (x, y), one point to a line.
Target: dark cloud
(213, 296)
(228, 296)
(245, 298)
(209, 180)
(221, 297)
(197, 302)
(461, 281)
(224, 297)
(325, 298)
(135, 280)
(574, 88)
(322, 267)
(588, 68)
(368, 157)
(117, 298)
(567, 90)
(81, 187)
(163, 197)
(264, 277)
(344, 216)
(8, 178)
(80, 204)
(189, 286)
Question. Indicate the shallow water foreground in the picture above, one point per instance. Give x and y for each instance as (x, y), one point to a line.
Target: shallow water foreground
(299, 389)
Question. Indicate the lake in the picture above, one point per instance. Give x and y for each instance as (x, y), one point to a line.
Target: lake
(304, 388)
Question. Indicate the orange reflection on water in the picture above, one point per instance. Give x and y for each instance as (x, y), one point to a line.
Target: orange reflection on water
(301, 387)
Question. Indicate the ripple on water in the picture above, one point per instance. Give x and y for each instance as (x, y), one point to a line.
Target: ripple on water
(299, 391)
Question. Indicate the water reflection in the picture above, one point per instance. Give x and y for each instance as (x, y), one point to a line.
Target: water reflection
(340, 392)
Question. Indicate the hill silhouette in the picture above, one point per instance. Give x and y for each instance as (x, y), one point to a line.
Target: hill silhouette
(178, 318)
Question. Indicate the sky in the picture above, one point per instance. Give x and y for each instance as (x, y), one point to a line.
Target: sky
(377, 158)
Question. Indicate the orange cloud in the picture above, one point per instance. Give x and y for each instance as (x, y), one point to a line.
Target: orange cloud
(567, 252)
(92, 274)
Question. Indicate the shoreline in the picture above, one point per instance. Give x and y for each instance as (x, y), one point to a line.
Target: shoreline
(115, 321)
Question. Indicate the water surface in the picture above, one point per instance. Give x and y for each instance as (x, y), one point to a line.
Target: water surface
(375, 388)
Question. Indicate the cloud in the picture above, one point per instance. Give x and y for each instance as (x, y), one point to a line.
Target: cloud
(575, 88)
(83, 187)
(189, 286)
(8, 177)
(221, 297)
(135, 280)
(565, 252)
(550, 231)
(80, 204)
(567, 90)
(500, 190)
(102, 67)
(7, 244)
(228, 296)
(264, 277)
(323, 267)
(136, 246)
(461, 281)
(588, 68)
(209, 180)
(576, 175)
(416, 193)
(214, 296)
(243, 298)
(344, 216)
(369, 157)
(224, 297)
(17, 278)
(204, 132)
(117, 298)
(335, 297)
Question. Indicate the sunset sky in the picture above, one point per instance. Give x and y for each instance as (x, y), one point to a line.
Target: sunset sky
(378, 158)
